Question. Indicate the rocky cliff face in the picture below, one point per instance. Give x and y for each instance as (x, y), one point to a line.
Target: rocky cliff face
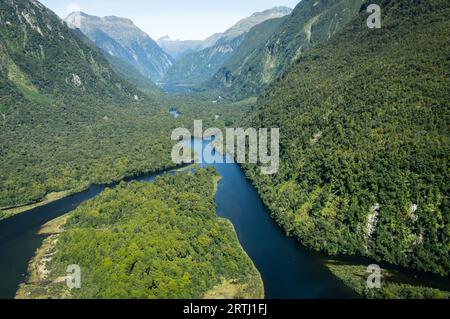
(119, 37)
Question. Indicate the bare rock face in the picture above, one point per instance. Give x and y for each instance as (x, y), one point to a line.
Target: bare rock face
(120, 38)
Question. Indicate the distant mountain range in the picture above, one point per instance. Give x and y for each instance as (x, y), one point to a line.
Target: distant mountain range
(178, 48)
(196, 67)
(120, 38)
(244, 25)
(138, 58)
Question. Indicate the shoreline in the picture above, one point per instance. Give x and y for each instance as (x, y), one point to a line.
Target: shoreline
(52, 227)
(39, 279)
(9, 212)
(6, 213)
(37, 272)
(220, 291)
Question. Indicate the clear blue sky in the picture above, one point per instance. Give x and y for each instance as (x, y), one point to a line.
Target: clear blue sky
(180, 19)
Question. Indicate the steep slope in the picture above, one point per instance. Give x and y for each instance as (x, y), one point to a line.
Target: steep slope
(311, 22)
(42, 59)
(66, 118)
(129, 73)
(246, 24)
(197, 67)
(365, 143)
(120, 38)
(247, 50)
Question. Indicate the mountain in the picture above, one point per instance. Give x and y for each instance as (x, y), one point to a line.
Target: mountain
(257, 37)
(67, 119)
(120, 38)
(178, 48)
(129, 73)
(364, 139)
(311, 22)
(244, 25)
(197, 67)
(44, 60)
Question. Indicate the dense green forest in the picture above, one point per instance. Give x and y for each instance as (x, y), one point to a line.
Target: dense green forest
(365, 140)
(152, 240)
(277, 46)
(64, 110)
(68, 120)
(365, 144)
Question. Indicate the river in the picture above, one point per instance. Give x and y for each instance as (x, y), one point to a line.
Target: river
(288, 270)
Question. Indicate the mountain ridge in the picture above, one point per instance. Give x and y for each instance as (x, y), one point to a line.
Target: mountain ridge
(121, 38)
(178, 48)
(66, 116)
(364, 142)
(310, 23)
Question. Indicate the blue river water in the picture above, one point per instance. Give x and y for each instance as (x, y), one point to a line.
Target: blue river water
(288, 270)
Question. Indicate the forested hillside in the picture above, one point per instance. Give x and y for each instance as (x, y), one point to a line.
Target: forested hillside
(365, 140)
(129, 73)
(154, 240)
(45, 61)
(311, 22)
(67, 119)
(256, 38)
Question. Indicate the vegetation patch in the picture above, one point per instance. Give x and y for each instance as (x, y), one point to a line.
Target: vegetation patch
(148, 240)
(364, 140)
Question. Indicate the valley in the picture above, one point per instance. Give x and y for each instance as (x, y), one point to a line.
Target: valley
(300, 273)
(88, 104)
